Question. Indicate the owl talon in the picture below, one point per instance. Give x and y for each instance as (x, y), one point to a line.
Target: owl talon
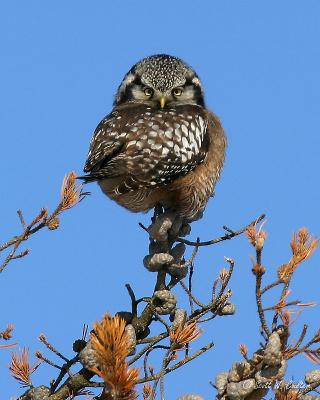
(158, 210)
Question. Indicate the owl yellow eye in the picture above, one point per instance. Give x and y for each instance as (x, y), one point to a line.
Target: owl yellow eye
(148, 92)
(177, 92)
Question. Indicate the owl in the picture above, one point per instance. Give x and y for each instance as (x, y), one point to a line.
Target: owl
(159, 145)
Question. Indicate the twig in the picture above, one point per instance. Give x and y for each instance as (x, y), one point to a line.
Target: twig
(272, 285)
(300, 340)
(226, 281)
(259, 303)
(70, 196)
(191, 296)
(21, 255)
(178, 364)
(84, 331)
(16, 242)
(213, 290)
(64, 369)
(148, 339)
(276, 307)
(191, 261)
(227, 236)
(46, 360)
(146, 348)
(201, 321)
(310, 387)
(165, 363)
(21, 238)
(133, 299)
(44, 340)
(213, 306)
(143, 227)
(23, 224)
(145, 360)
(157, 317)
(77, 381)
(258, 270)
(293, 352)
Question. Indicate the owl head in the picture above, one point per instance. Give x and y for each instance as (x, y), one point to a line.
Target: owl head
(160, 81)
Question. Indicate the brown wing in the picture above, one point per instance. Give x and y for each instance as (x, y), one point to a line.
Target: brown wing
(148, 147)
(105, 144)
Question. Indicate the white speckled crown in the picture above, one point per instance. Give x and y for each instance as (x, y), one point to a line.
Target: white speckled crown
(163, 71)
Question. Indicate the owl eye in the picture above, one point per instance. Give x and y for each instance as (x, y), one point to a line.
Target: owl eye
(148, 92)
(177, 92)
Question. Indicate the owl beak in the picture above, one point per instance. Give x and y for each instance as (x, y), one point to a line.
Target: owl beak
(162, 102)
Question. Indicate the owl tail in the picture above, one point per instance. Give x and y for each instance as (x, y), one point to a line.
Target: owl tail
(88, 178)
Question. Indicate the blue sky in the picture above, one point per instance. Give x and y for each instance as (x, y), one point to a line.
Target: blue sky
(61, 63)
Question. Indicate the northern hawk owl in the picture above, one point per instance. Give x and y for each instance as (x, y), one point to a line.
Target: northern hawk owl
(159, 144)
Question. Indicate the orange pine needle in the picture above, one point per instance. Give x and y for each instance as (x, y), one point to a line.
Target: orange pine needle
(223, 274)
(286, 394)
(184, 334)
(40, 217)
(7, 333)
(111, 345)
(20, 367)
(146, 391)
(7, 346)
(256, 236)
(70, 193)
(312, 356)
(243, 350)
(303, 245)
